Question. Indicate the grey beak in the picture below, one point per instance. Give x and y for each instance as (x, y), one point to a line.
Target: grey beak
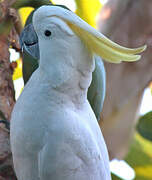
(29, 41)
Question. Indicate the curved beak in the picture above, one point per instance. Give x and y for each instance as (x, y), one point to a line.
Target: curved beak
(29, 41)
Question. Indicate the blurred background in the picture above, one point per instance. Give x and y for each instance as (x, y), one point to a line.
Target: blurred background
(126, 119)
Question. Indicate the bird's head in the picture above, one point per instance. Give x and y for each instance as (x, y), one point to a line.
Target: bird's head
(66, 44)
(55, 26)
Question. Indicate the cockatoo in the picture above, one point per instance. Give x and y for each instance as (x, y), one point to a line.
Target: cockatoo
(97, 89)
(54, 132)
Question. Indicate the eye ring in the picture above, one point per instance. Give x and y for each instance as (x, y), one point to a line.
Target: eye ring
(47, 33)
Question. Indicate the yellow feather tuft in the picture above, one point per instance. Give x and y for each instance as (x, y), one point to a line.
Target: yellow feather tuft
(94, 40)
(107, 49)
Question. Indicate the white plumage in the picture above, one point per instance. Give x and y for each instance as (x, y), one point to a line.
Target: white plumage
(54, 132)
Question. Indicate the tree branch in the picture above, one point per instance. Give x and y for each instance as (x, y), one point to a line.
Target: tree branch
(128, 23)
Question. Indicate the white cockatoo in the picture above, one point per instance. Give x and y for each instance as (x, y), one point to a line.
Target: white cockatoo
(54, 132)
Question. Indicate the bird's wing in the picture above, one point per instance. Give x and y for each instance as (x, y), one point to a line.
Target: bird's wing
(55, 165)
(71, 156)
(97, 89)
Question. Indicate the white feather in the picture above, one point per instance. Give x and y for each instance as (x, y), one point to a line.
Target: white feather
(54, 132)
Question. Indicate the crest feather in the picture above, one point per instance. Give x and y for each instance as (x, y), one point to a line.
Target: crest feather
(94, 40)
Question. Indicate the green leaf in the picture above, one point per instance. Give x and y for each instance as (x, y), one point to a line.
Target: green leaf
(144, 126)
(140, 158)
(30, 3)
(2, 115)
(114, 177)
(5, 27)
(30, 64)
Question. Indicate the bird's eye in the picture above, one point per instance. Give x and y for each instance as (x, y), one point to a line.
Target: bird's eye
(47, 33)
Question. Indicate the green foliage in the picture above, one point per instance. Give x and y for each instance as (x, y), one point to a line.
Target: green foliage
(5, 27)
(2, 116)
(140, 158)
(144, 126)
(114, 177)
(30, 64)
(30, 3)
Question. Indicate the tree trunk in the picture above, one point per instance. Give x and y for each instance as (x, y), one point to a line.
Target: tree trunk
(129, 23)
(7, 95)
(6, 105)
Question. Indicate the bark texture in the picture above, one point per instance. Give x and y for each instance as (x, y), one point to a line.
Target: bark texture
(8, 36)
(6, 105)
(129, 23)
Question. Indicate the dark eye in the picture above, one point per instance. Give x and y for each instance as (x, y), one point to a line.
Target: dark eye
(47, 33)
